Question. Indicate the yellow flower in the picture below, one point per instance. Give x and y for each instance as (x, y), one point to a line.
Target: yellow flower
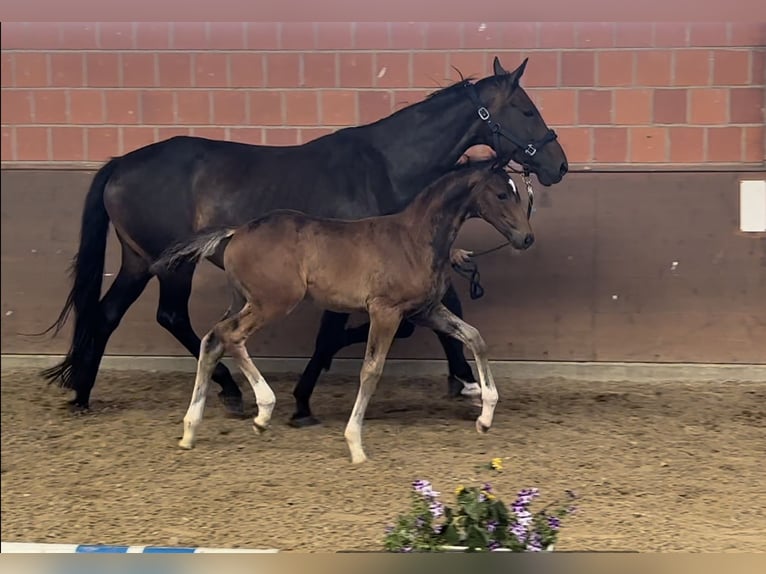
(489, 496)
(459, 489)
(496, 464)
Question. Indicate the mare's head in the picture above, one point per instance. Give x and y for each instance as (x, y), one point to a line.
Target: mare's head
(496, 200)
(516, 127)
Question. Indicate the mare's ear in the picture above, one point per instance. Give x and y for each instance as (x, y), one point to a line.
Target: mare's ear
(498, 67)
(515, 76)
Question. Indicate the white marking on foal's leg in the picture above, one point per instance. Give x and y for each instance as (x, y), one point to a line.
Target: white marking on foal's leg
(205, 365)
(264, 395)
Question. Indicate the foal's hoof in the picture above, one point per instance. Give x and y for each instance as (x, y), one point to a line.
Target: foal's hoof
(301, 422)
(233, 406)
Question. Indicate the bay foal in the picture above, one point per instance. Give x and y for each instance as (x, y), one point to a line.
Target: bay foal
(393, 267)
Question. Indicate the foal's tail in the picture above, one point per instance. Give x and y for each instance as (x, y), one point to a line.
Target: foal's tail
(202, 245)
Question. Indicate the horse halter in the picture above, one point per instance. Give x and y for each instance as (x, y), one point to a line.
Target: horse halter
(530, 147)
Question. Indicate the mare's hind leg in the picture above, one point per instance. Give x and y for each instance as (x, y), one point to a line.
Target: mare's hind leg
(173, 315)
(443, 320)
(384, 323)
(461, 380)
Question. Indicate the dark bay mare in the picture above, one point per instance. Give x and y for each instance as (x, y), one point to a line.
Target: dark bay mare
(163, 193)
(393, 267)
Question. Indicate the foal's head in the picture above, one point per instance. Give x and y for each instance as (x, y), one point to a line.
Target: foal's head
(497, 201)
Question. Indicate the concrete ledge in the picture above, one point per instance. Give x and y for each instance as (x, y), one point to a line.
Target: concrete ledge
(527, 370)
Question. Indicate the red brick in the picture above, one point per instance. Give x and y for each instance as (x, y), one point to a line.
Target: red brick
(578, 68)
(648, 144)
(670, 106)
(121, 106)
(429, 69)
(653, 68)
(261, 35)
(265, 108)
(576, 142)
(633, 107)
(138, 70)
(103, 143)
(754, 151)
(31, 70)
(7, 143)
(68, 143)
(758, 67)
(67, 69)
(133, 138)
(724, 144)
(209, 132)
(708, 106)
(392, 70)
(334, 36)
(6, 69)
(246, 70)
(301, 108)
(171, 132)
(50, 107)
(407, 35)
(157, 107)
(687, 144)
(86, 106)
(746, 105)
(16, 106)
(355, 69)
(298, 36)
(542, 70)
(152, 35)
(374, 105)
(30, 36)
(692, 68)
(338, 108)
(610, 145)
(193, 107)
(633, 35)
(247, 135)
(594, 107)
(226, 35)
(188, 36)
(103, 70)
(731, 67)
(371, 36)
(281, 136)
(671, 34)
(444, 36)
(556, 35)
(78, 35)
(115, 35)
(174, 69)
(320, 70)
(310, 134)
(210, 70)
(558, 107)
(594, 34)
(707, 34)
(747, 34)
(32, 143)
(468, 63)
(283, 70)
(229, 107)
(615, 68)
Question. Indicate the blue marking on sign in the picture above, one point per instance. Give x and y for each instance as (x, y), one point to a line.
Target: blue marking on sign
(98, 549)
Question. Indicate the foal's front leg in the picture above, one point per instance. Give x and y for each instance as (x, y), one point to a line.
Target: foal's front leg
(383, 325)
(443, 320)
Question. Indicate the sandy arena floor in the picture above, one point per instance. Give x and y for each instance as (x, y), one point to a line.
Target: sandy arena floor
(669, 467)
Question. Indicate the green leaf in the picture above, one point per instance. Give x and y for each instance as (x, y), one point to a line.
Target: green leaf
(451, 535)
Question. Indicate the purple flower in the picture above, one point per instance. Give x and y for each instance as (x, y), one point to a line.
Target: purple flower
(487, 487)
(535, 545)
(436, 509)
(571, 510)
(570, 493)
(419, 522)
(493, 544)
(524, 518)
(389, 529)
(491, 526)
(554, 523)
(424, 488)
(526, 495)
(519, 531)
(407, 549)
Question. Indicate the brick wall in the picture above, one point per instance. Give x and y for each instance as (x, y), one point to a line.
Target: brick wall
(636, 93)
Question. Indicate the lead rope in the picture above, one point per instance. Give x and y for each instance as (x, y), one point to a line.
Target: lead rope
(470, 270)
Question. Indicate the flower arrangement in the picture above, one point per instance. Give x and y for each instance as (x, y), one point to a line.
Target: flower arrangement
(480, 521)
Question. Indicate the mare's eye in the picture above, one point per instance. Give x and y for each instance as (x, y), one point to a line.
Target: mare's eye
(502, 195)
(529, 113)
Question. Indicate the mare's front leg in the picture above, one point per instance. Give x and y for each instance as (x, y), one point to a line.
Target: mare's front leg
(443, 320)
(383, 325)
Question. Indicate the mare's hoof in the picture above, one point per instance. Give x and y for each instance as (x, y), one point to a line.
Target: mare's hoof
(259, 429)
(78, 408)
(302, 422)
(183, 445)
(233, 406)
(454, 387)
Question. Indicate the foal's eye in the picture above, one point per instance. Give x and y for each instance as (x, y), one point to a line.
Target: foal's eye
(502, 195)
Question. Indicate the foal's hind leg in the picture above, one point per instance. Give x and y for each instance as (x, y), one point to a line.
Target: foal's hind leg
(383, 325)
(173, 315)
(443, 320)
